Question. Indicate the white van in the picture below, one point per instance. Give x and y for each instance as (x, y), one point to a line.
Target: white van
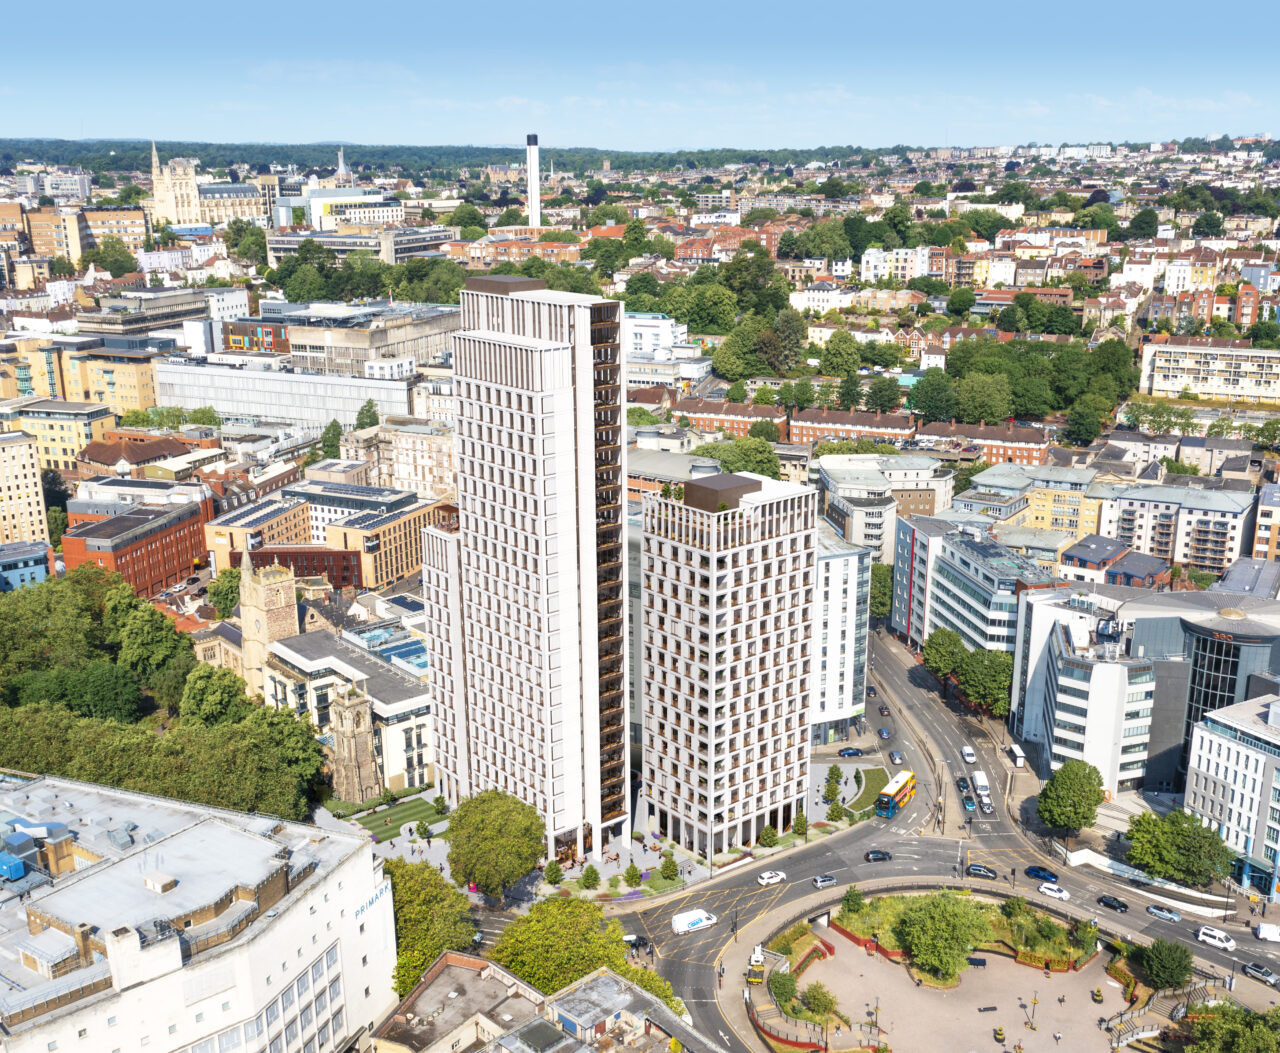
(690, 920)
(968, 756)
(980, 785)
(1215, 938)
(1266, 931)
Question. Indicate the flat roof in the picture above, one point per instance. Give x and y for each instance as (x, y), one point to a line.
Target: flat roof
(317, 650)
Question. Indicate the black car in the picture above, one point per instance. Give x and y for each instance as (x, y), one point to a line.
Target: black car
(978, 870)
(962, 784)
(1111, 903)
(193, 580)
(871, 692)
(1042, 874)
(878, 855)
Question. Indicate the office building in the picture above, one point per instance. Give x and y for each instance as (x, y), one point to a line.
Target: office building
(153, 547)
(277, 521)
(23, 563)
(22, 510)
(727, 663)
(61, 429)
(138, 311)
(332, 502)
(397, 245)
(130, 921)
(526, 591)
(372, 339)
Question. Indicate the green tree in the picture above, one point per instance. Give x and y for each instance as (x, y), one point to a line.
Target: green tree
(495, 840)
(559, 941)
(670, 869)
(737, 392)
(764, 429)
(100, 689)
(792, 331)
(884, 395)
(148, 641)
(849, 394)
(367, 415)
(743, 455)
(933, 398)
(430, 917)
(943, 652)
(1083, 425)
(1144, 224)
(840, 356)
(765, 396)
(802, 393)
(61, 267)
(800, 826)
(632, 876)
(984, 397)
(881, 601)
(817, 999)
(768, 837)
(331, 439)
(54, 487)
(1070, 799)
(1207, 225)
(224, 591)
(783, 987)
(836, 812)
(56, 518)
(1221, 428)
(961, 302)
(511, 217)
(638, 416)
(986, 679)
(213, 696)
(852, 901)
(1167, 964)
(111, 255)
(552, 874)
(467, 215)
(1178, 848)
(940, 930)
(205, 415)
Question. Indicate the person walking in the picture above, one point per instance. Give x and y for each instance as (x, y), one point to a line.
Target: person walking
(1057, 1037)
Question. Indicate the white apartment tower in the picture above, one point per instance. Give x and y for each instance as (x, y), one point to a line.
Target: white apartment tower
(534, 178)
(526, 592)
(728, 595)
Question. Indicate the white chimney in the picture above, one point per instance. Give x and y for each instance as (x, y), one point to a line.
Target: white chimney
(535, 190)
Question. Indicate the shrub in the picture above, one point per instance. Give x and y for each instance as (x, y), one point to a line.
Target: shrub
(632, 876)
(670, 869)
(768, 837)
(817, 999)
(590, 877)
(553, 875)
(853, 900)
(1013, 906)
(782, 986)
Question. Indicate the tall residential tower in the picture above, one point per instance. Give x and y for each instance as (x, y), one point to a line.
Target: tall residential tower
(526, 591)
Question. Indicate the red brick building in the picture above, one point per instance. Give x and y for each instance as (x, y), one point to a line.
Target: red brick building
(997, 443)
(818, 425)
(342, 568)
(153, 547)
(733, 418)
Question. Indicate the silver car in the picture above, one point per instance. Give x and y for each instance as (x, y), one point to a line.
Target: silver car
(824, 881)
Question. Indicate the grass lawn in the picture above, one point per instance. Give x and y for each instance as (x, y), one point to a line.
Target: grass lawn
(409, 812)
(873, 781)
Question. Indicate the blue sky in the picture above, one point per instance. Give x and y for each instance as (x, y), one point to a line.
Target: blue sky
(637, 76)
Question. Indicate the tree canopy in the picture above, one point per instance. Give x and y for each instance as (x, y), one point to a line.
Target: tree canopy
(1177, 847)
(940, 930)
(495, 840)
(943, 651)
(431, 917)
(743, 455)
(1070, 799)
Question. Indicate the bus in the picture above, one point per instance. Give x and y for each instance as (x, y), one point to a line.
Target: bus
(901, 788)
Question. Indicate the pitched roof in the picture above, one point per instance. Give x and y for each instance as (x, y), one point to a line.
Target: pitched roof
(108, 452)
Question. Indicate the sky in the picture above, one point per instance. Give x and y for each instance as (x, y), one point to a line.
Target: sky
(637, 77)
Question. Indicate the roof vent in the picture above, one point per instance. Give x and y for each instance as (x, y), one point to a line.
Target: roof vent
(159, 883)
(1232, 613)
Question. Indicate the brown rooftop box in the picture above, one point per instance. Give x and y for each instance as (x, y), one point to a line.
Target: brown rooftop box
(709, 493)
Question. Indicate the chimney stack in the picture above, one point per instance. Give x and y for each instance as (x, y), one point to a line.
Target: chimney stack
(531, 174)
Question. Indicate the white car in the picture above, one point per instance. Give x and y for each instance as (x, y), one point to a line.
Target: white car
(1054, 891)
(772, 877)
(1215, 938)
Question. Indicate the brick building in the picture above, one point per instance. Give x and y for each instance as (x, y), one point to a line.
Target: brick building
(997, 443)
(733, 418)
(818, 425)
(153, 547)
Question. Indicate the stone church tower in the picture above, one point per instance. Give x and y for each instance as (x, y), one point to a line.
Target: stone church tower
(354, 769)
(174, 192)
(268, 612)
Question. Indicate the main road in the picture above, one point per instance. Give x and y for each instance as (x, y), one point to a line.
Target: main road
(689, 961)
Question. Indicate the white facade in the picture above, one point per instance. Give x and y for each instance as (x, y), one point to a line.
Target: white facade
(651, 332)
(528, 665)
(226, 305)
(821, 297)
(1206, 529)
(902, 264)
(840, 678)
(1223, 369)
(727, 658)
(300, 959)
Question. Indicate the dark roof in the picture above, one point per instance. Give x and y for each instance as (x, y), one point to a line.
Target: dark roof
(108, 452)
(877, 420)
(989, 432)
(690, 407)
(1138, 564)
(1096, 548)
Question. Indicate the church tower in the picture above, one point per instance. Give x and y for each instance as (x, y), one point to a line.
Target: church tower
(268, 612)
(354, 767)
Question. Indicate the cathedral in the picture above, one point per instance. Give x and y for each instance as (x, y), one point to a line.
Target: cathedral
(181, 197)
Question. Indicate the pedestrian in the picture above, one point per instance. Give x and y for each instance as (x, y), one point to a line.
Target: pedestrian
(441, 866)
(1057, 1037)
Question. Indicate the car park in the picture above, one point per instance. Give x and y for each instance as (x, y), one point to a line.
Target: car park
(771, 877)
(1215, 938)
(896, 758)
(824, 881)
(962, 784)
(878, 855)
(1054, 891)
(851, 751)
(1041, 874)
(1163, 913)
(970, 805)
(1113, 903)
(979, 870)
(1260, 973)
(885, 733)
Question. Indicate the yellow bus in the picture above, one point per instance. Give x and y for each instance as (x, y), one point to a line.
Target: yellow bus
(900, 789)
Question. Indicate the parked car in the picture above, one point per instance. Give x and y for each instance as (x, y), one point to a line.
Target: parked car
(1042, 874)
(1260, 973)
(1163, 913)
(179, 588)
(878, 855)
(884, 710)
(970, 805)
(979, 870)
(824, 881)
(885, 733)
(1113, 903)
(871, 692)
(1215, 938)
(962, 784)
(851, 751)
(194, 579)
(896, 758)
(771, 877)
(1054, 891)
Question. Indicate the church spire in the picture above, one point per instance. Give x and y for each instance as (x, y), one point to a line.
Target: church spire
(246, 565)
(155, 160)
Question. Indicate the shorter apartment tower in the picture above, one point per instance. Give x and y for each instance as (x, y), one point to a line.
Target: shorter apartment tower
(22, 511)
(728, 590)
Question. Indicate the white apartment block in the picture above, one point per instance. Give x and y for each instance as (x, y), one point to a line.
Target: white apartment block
(133, 922)
(840, 680)
(902, 264)
(1205, 529)
(1212, 367)
(22, 511)
(651, 331)
(820, 297)
(728, 595)
(527, 591)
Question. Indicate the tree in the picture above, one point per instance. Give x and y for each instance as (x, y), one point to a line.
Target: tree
(836, 812)
(56, 519)
(511, 217)
(632, 876)
(1178, 848)
(331, 439)
(100, 689)
(1144, 224)
(849, 394)
(737, 392)
(933, 398)
(1083, 425)
(800, 826)
(792, 332)
(768, 837)
(1070, 799)
(670, 869)
(1235, 1029)
(884, 395)
(552, 874)
(802, 393)
(205, 415)
(224, 591)
(881, 602)
(765, 396)
(984, 397)
(430, 917)
(852, 901)
(986, 679)
(111, 255)
(61, 267)
(367, 415)
(743, 455)
(817, 999)
(1167, 964)
(943, 651)
(764, 429)
(56, 494)
(840, 355)
(148, 641)
(213, 696)
(1207, 225)
(1221, 428)
(961, 302)
(940, 930)
(494, 841)
(559, 941)
(783, 987)
(467, 215)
